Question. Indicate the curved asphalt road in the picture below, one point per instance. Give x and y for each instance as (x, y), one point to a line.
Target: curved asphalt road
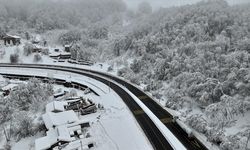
(154, 135)
(156, 138)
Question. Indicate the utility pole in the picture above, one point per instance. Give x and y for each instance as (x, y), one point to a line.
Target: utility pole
(109, 86)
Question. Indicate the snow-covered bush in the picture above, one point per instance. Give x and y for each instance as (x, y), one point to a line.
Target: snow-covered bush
(110, 68)
(134, 79)
(162, 70)
(27, 49)
(136, 66)
(22, 125)
(14, 58)
(45, 51)
(215, 135)
(122, 72)
(175, 98)
(198, 122)
(37, 57)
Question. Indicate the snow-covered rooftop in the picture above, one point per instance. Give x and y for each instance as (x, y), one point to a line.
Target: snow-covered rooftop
(80, 144)
(56, 106)
(55, 119)
(60, 133)
(57, 54)
(9, 87)
(12, 36)
(42, 143)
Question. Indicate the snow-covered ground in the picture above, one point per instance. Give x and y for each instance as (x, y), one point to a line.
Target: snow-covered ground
(113, 128)
(98, 67)
(103, 68)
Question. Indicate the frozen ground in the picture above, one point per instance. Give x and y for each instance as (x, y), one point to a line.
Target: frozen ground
(113, 128)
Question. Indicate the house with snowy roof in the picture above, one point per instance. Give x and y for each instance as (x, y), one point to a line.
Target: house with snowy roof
(54, 137)
(11, 39)
(66, 134)
(51, 119)
(63, 137)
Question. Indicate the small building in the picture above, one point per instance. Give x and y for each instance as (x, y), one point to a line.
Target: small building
(60, 94)
(11, 39)
(81, 105)
(67, 48)
(55, 55)
(63, 55)
(56, 106)
(53, 138)
(51, 120)
(88, 109)
(64, 137)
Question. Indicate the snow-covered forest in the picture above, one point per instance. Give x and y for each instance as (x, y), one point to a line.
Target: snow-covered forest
(194, 59)
(16, 120)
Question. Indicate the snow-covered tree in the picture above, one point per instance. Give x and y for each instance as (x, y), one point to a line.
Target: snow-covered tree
(198, 122)
(70, 37)
(37, 57)
(27, 49)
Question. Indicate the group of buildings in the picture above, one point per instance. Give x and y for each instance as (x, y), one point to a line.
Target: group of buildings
(39, 46)
(64, 128)
(9, 39)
